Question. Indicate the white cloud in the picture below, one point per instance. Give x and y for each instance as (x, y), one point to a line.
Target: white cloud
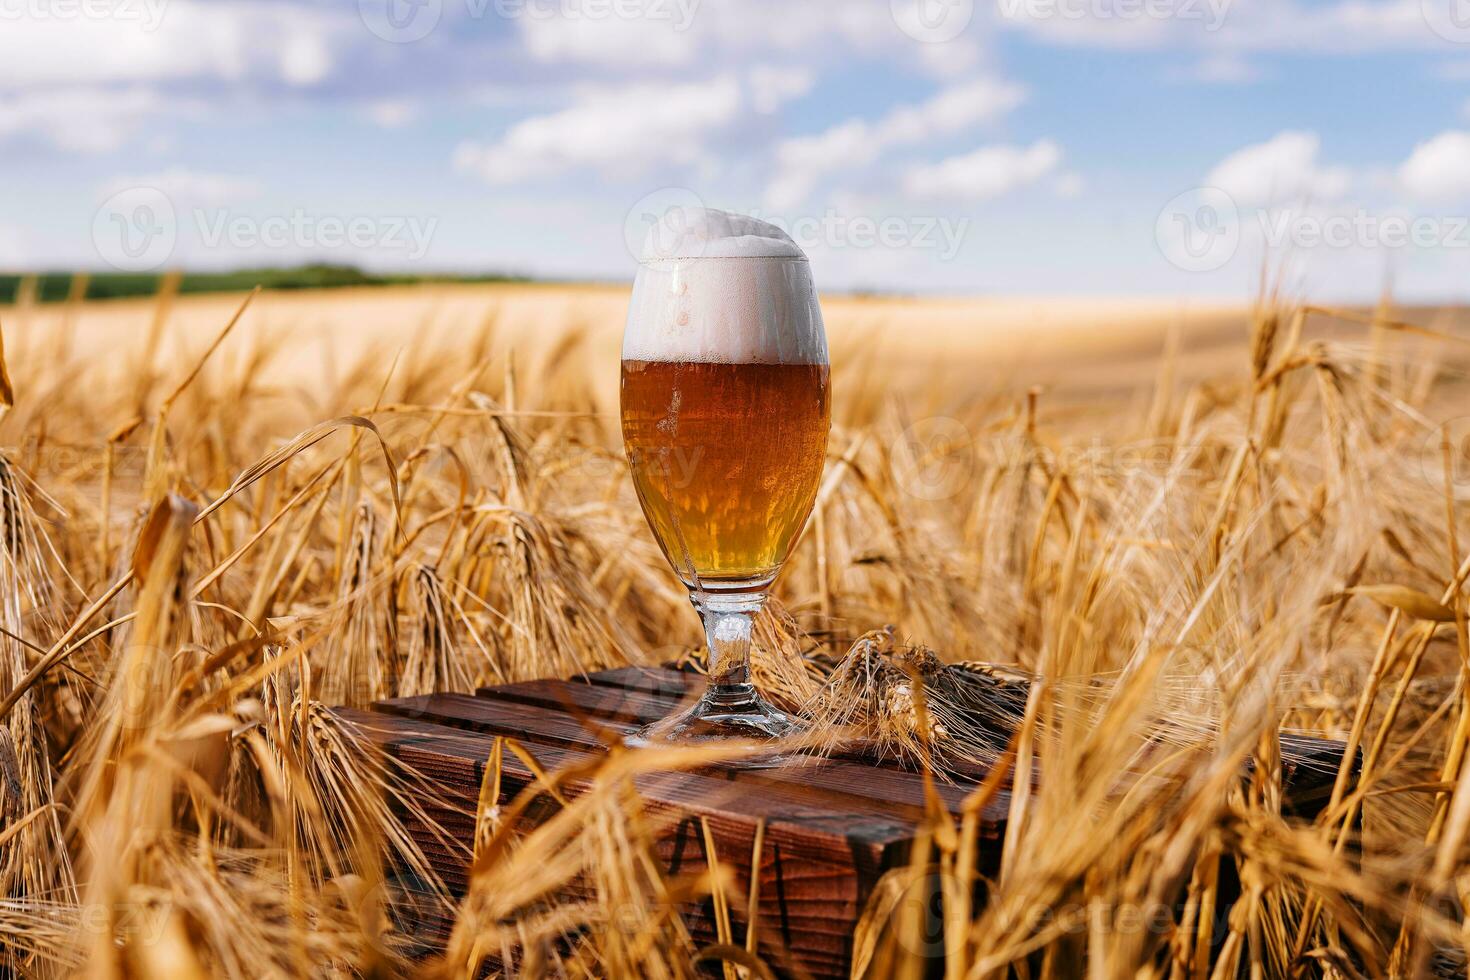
(227, 40)
(1439, 169)
(803, 161)
(84, 119)
(674, 123)
(89, 84)
(392, 113)
(802, 29)
(192, 186)
(625, 42)
(599, 132)
(1228, 25)
(1085, 25)
(729, 34)
(305, 59)
(1362, 24)
(954, 109)
(986, 173)
(953, 59)
(1279, 171)
(772, 86)
(1220, 69)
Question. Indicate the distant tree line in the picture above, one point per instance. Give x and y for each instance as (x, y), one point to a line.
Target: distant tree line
(54, 287)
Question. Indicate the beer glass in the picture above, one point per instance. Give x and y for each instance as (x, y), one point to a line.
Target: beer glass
(725, 412)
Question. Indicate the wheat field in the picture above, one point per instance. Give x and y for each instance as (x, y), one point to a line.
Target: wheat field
(1187, 528)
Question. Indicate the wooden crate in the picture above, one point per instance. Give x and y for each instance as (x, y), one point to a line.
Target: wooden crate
(833, 827)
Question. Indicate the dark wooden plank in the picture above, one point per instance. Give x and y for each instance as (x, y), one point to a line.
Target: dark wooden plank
(815, 901)
(457, 760)
(631, 706)
(817, 869)
(1309, 767)
(661, 681)
(1309, 762)
(602, 696)
(843, 785)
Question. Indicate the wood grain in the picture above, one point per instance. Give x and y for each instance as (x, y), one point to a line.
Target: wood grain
(833, 827)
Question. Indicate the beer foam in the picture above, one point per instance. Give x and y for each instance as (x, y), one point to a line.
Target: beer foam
(719, 287)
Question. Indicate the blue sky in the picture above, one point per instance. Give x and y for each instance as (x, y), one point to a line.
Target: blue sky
(996, 147)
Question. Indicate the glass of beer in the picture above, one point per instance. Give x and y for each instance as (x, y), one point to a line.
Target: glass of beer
(725, 411)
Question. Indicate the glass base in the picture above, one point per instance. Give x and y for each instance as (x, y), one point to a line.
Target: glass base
(730, 714)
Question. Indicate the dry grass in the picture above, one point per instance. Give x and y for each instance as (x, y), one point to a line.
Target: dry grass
(1168, 559)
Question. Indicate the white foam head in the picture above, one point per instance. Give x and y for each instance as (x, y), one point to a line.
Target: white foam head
(719, 287)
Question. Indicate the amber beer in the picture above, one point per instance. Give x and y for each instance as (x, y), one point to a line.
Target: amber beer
(725, 413)
(726, 460)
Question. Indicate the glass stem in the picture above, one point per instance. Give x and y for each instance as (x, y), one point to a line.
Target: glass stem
(728, 620)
